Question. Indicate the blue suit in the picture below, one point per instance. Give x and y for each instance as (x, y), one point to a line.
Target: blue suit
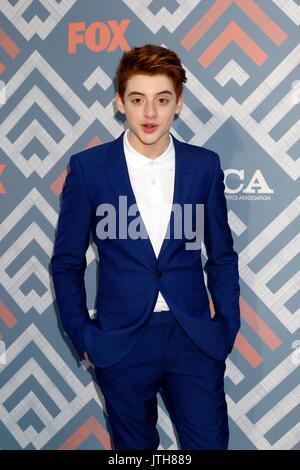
(130, 275)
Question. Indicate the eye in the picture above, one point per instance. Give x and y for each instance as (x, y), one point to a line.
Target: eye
(161, 100)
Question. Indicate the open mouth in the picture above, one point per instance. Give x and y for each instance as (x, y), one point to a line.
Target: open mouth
(149, 127)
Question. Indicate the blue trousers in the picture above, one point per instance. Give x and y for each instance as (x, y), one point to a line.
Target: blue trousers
(165, 359)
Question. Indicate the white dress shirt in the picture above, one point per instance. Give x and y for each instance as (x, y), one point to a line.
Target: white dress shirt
(152, 182)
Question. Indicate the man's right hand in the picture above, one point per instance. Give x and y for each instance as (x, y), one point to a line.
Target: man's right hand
(86, 358)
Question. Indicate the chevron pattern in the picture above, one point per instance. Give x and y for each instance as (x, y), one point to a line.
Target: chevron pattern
(242, 59)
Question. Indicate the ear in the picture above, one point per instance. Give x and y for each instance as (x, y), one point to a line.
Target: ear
(119, 103)
(179, 104)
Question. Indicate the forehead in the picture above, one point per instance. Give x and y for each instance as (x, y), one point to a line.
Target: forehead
(149, 84)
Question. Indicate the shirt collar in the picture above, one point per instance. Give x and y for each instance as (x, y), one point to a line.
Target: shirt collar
(138, 160)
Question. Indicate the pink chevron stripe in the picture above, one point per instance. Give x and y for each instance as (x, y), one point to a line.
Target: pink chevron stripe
(259, 326)
(233, 33)
(205, 23)
(7, 316)
(91, 426)
(2, 188)
(249, 7)
(57, 185)
(247, 351)
(263, 21)
(95, 141)
(8, 45)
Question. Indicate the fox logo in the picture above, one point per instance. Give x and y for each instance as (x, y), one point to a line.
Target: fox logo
(98, 36)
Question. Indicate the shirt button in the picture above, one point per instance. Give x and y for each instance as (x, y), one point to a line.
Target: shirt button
(158, 273)
(153, 181)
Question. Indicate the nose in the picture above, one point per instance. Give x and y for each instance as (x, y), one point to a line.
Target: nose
(150, 110)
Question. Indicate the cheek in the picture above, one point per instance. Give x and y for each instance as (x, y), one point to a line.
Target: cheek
(132, 113)
(168, 115)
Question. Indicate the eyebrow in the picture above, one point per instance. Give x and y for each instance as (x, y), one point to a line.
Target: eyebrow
(159, 93)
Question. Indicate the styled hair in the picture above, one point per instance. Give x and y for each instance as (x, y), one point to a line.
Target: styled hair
(150, 59)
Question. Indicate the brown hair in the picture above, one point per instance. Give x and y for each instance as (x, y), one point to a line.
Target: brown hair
(150, 59)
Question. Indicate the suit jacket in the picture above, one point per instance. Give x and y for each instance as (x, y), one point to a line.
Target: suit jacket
(130, 274)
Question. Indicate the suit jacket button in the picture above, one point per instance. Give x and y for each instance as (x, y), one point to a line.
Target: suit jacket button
(158, 273)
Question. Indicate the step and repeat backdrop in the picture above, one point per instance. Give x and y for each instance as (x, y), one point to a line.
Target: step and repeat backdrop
(57, 64)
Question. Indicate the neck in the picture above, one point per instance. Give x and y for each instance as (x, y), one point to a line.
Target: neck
(152, 150)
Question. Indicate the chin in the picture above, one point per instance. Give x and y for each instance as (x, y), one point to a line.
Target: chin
(147, 137)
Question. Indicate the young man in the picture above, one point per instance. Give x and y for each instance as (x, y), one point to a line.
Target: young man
(154, 331)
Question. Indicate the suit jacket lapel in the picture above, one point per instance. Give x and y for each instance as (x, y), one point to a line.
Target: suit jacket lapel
(118, 175)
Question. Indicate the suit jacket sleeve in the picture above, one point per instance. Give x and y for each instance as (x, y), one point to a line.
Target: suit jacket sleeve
(68, 262)
(222, 261)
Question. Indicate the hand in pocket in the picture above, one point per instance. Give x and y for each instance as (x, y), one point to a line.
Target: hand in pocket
(88, 362)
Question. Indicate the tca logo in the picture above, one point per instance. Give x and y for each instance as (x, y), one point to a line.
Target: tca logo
(98, 36)
(256, 185)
